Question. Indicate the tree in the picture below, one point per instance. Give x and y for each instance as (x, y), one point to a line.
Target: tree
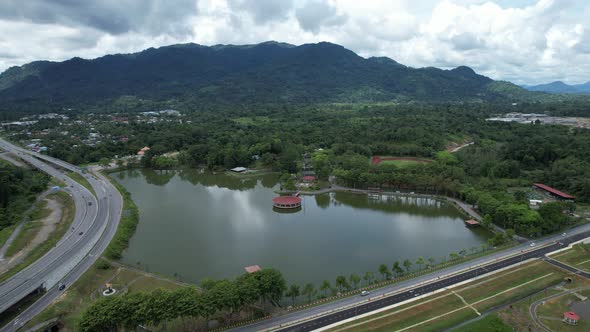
(384, 271)
(325, 287)
(354, 280)
(487, 221)
(309, 291)
(453, 256)
(369, 277)
(341, 283)
(431, 261)
(509, 234)
(271, 284)
(293, 292)
(420, 262)
(397, 269)
(104, 162)
(408, 265)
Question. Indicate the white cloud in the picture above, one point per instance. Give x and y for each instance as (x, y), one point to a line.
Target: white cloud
(525, 41)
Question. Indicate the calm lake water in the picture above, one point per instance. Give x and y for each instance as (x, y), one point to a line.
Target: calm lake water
(199, 225)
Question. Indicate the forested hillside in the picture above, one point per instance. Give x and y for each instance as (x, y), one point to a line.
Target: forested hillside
(264, 73)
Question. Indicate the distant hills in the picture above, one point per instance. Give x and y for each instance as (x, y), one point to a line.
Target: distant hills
(269, 72)
(560, 87)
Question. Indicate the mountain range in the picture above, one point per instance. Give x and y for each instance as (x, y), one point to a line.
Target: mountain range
(560, 87)
(269, 72)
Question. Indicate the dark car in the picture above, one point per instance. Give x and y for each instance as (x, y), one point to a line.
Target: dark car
(62, 287)
(80, 233)
(89, 203)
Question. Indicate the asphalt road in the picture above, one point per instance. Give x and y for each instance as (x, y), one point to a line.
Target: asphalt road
(96, 217)
(335, 311)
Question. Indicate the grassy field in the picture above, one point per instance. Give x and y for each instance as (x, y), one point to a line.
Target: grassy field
(81, 180)
(578, 257)
(82, 293)
(551, 312)
(5, 234)
(489, 323)
(30, 229)
(451, 307)
(399, 161)
(61, 228)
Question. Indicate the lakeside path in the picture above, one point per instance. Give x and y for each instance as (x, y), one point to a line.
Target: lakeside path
(466, 208)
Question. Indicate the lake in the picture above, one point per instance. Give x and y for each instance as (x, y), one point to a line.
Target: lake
(199, 225)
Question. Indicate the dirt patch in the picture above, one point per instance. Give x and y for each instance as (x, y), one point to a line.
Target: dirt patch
(48, 225)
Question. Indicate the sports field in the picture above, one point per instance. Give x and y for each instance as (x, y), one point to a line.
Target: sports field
(455, 305)
(399, 161)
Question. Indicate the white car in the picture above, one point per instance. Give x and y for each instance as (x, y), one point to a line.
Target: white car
(533, 244)
(562, 234)
(365, 293)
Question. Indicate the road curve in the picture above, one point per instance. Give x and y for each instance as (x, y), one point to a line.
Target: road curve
(95, 223)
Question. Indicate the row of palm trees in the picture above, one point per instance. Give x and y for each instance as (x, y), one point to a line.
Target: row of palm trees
(398, 269)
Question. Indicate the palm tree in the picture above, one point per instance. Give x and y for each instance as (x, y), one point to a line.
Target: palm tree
(396, 268)
(293, 292)
(325, 286)
(354, 280)
(341, 282)
(431, 260)
(420, 262)
(407, 265)
(383, 270)
(309, 291)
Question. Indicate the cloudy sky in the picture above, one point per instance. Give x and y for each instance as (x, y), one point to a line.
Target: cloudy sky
(524, 41)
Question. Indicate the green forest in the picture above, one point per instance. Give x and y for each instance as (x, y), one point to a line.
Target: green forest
(503, 156)
(18, 189)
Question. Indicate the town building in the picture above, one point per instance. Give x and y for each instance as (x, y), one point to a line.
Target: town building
(553, 192)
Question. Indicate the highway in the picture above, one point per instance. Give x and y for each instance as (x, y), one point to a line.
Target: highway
(95, 223)
(326, 314)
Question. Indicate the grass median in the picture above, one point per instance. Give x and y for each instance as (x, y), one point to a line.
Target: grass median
(81, 180)
(62, 227)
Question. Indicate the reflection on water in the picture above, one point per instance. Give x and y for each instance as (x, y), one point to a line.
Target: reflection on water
(196, 225)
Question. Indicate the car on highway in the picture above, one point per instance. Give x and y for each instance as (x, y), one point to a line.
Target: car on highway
(533, 244)
(89, 203)
(80, 233)
(563, 234)
(365, 293)
(61, 287)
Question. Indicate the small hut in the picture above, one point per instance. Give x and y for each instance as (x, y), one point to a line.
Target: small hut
(571, 318)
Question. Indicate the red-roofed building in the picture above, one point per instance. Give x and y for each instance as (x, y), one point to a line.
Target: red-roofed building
(286, 202)
(308, 178)
(571, 317)
(554, 192)
(472, 222)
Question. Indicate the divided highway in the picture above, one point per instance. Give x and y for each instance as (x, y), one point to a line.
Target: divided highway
(326, 314)
(95, 223)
